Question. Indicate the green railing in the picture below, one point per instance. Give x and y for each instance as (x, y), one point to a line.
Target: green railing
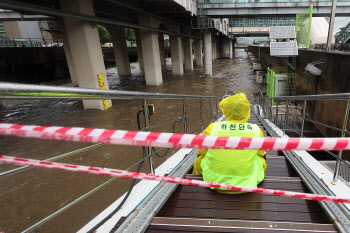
(270, 83)
(288, 86)
(303, 27)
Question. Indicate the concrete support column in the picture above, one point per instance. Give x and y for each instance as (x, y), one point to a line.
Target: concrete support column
(120, 50)
(150, 50)
(162, 50)
(139, 49)
(176, 54)
(68, 53)
(188, 53)
(208, 52)
(85, 47)
(198, 52)
(231, 49)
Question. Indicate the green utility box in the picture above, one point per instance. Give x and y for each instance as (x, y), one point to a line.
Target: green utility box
(280, 82)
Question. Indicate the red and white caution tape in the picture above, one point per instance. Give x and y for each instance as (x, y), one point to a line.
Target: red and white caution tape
(172, 140)
(144, 176)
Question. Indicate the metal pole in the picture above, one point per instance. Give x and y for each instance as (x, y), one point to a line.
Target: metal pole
(286, 116)
(303, 120)
(276, 114)
(331, 25)
(184, 114)
(345, 125)
(201, 111)
(271, 110)
(217, 108)
(211, 113)
(309, 29)
(145, 110)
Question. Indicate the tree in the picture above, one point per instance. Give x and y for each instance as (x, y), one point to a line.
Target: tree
(130, 34)
(103, 34)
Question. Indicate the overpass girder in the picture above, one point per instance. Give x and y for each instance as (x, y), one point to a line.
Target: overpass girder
(228, 10)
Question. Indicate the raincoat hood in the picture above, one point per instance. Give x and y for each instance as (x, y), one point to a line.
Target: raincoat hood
(236, 108)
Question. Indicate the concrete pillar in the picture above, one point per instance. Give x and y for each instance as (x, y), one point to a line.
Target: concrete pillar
(68, 53)
(162, 50)
(85, 47)
(139, 49)
(120, 50)
(198, 52)
(150, 50)
(188, 53)
(176, 54)
(208, 62)
(231, 49)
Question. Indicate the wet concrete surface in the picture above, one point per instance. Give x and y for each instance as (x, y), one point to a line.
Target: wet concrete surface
(31, 195)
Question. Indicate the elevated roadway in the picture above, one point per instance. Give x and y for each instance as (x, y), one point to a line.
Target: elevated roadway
(261, 8)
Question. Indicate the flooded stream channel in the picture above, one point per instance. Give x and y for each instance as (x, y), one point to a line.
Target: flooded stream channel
(31, 195)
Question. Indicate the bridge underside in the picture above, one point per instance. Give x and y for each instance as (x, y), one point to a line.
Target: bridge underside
(111, 9)
(285, 9)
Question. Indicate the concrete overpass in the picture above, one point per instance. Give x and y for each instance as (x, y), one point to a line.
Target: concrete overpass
(269, 8)
(8, 15)
(151, 19)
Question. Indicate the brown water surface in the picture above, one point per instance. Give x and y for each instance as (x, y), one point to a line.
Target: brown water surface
(31, 195)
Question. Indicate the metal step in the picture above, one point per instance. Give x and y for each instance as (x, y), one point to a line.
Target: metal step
(164, 224)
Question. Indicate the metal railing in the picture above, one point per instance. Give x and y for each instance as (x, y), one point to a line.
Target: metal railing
(29, 42)
(263, 1)
(285, 112)
(334, 47)
(9, 91)
(205, 22)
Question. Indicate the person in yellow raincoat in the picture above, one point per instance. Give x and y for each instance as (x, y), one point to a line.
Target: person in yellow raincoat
(236, 167)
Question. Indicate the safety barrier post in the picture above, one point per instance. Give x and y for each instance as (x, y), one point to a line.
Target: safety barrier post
(201, 112)
(286, 116)
(184, 114)
(151, 162)
(345, 125)
(303, 120)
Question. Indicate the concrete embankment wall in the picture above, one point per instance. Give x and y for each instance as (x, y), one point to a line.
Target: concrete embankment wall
(335, 78)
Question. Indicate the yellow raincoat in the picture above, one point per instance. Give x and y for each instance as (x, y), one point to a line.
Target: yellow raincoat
(236, 110)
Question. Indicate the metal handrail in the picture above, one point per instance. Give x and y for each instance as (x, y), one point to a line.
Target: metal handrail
(305, 98)
(338, 96)
(26, 91)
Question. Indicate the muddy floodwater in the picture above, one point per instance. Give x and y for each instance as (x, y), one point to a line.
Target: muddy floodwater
(29, 196)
